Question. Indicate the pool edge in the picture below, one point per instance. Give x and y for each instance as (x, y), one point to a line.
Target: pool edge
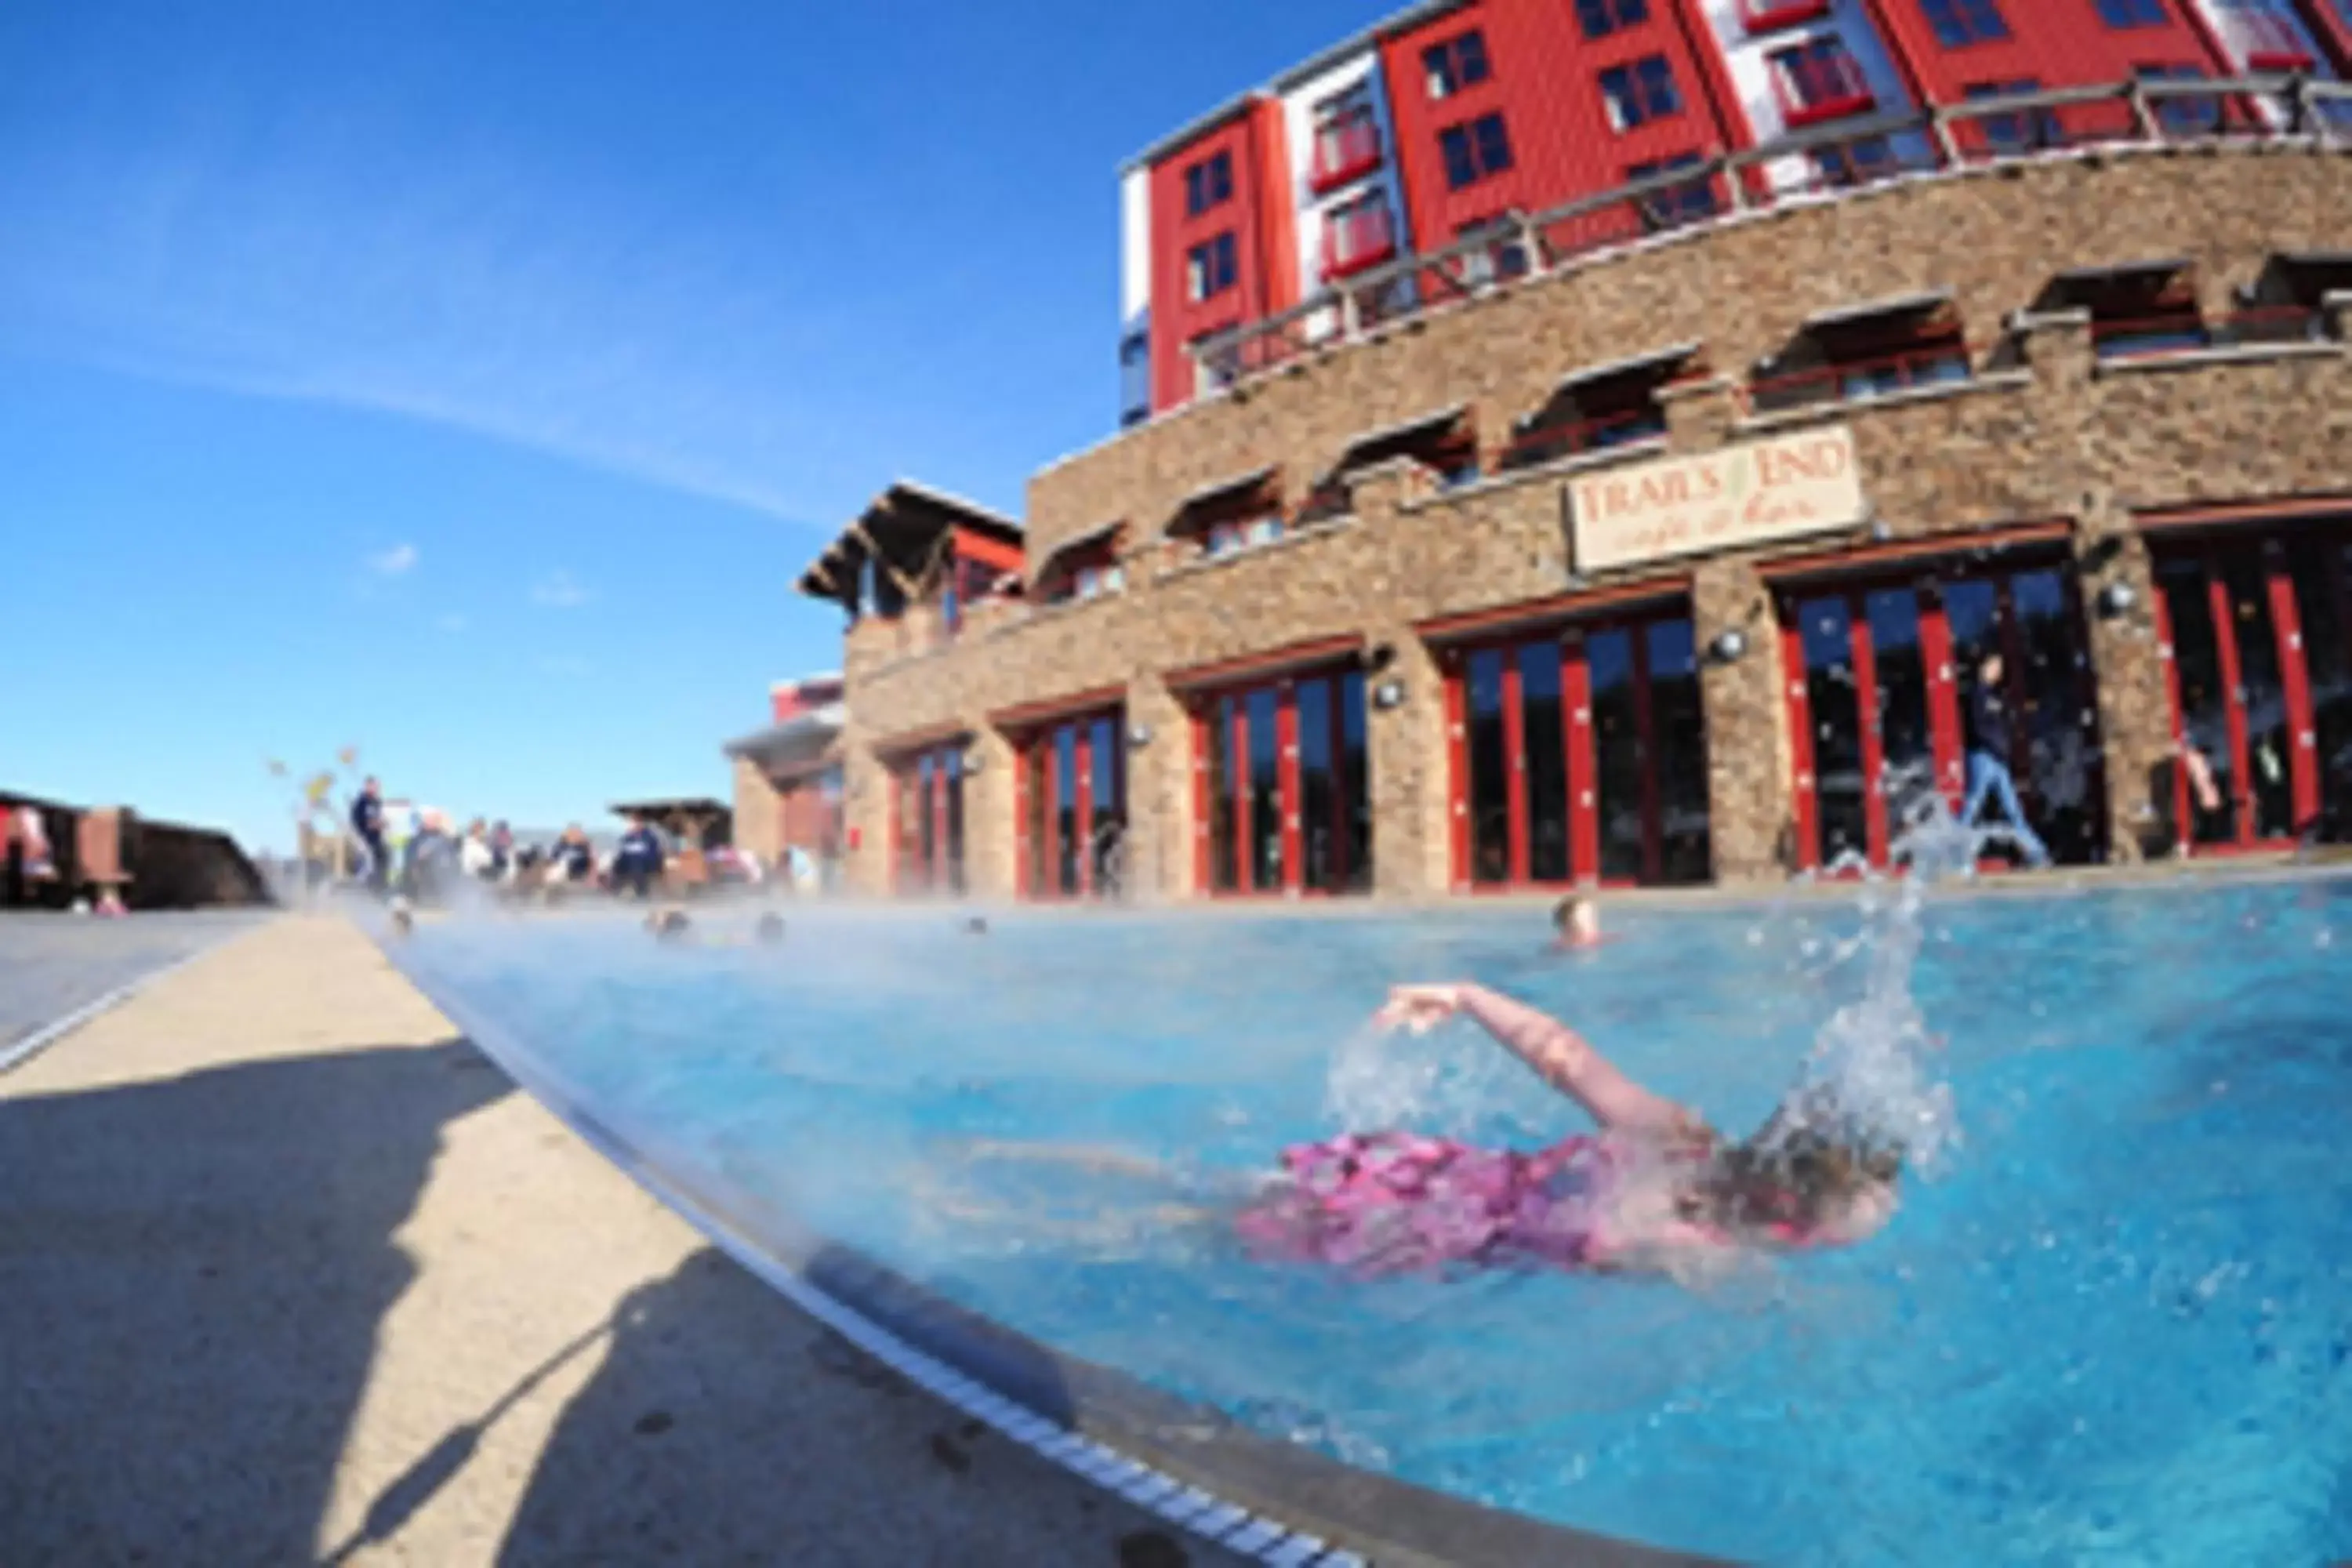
(1191, 1465)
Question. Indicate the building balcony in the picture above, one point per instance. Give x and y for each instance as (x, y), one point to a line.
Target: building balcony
(1346, 150)
(1765, 16)
(1357, 239)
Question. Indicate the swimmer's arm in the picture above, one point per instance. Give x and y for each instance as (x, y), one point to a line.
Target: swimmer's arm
(1567, 1062)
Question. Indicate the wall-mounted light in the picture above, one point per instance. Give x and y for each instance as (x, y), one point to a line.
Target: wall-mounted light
(1138, 736)
(1727, 646)
(2115, 599)
(1389, 694)
(973, 761)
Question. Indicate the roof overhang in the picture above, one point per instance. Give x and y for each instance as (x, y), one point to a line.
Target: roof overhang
(1220, 493)
(1390, 441)
(1075, 545)
(804, 737)
(1656, 361)
(1847, 318)
(901, 529)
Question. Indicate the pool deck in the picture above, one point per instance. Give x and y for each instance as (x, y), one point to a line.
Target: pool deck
(289, 1272)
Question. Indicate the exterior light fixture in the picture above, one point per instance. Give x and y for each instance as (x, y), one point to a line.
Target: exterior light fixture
(973, 761)
(2116, 598)
(1879, 530)
(1727, 646)
(1138, 736)
(1389, 694)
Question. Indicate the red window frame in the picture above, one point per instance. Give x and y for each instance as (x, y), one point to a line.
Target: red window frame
(2295, 684)
(924, 772)
(1946, 730)
(1045, 737)
(1290, 784)
(1581, 774)
(1347, 146)
(1764, 16)
(1641, 97)
(1369, 214)
(2274, 39)
(1796, 66)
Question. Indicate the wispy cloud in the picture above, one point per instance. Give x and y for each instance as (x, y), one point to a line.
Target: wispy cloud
(397, 561)
(559, 590)
(461, 289)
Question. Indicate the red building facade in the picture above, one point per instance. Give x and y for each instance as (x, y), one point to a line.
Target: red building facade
(1222, 227)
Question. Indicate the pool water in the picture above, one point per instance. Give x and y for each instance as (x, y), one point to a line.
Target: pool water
(2113, 1325)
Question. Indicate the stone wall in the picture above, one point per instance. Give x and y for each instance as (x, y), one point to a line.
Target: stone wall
(2043, 433)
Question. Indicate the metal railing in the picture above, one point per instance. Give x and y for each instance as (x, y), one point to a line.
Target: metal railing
(1814, 163)
(1535, 444)
(1859, 380)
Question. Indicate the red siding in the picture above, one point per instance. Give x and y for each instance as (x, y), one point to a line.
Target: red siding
(2054, 44)
(1545, 80)
(1258, 213)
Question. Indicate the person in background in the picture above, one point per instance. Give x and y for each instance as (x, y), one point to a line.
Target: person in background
(637, 863)
(1989, 753)
(502, 849)
(1576, 924)
(367, 827)
(476, 858)
(573, 860)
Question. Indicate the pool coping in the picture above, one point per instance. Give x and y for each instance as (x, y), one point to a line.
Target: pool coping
(1194, 1465)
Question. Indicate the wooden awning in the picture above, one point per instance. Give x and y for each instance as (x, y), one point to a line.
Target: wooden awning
(901, 531)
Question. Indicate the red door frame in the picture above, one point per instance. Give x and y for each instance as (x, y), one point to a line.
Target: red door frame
(2295, 684)
(908, 797)
(1579, 765)
(1044, 737)
(1290, 784)
(1944, 728)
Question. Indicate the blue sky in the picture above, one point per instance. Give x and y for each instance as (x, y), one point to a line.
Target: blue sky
(469, 382)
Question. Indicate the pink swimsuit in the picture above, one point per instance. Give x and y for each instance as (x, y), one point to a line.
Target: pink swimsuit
(1398, 1203)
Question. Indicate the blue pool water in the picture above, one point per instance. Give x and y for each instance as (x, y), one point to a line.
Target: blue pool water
(2115, 1327)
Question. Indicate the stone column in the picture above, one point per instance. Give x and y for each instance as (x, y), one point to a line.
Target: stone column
(1160, 820)
(866, 820)
(1701, 412)
(1751, 796)
(1406, 768)
(988, 818)
(2127, 663)
(759, 813)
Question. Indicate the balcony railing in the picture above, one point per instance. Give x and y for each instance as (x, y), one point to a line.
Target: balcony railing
(1359, 237)
(1804, 166)
(1345, 148)
(1860, 380)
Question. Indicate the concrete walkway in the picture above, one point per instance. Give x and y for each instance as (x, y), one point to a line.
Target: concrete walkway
(288, 1274)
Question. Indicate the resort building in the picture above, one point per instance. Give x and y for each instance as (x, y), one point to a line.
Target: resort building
(788, 774)
(1668, 532)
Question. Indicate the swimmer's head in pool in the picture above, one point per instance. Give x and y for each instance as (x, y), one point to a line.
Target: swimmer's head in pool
(1576, 920)
(669, 924)
(1804, 1171)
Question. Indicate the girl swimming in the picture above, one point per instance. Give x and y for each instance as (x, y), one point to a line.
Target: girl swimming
(1654, 1188)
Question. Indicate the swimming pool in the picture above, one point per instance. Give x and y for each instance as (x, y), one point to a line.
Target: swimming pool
(2115, 1326)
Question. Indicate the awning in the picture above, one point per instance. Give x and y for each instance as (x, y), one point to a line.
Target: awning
(1077, 545)
(900, 528)
(805, 737)
(1393, 440)
(1593, 375)
(1224, 489)
(1923, 303)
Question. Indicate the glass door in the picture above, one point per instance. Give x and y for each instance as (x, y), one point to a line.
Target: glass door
(1283, 804)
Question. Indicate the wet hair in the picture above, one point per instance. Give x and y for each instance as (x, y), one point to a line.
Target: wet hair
(1564, 913)
(771, 928)
(668, 924)
(1798, 1169)
(976, 926)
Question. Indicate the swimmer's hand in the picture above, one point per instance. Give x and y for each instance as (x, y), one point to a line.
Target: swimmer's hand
(1419, 1008)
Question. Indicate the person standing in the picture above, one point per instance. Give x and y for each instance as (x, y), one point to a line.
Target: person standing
(638, 860)
(1989, 737)
(367, 827)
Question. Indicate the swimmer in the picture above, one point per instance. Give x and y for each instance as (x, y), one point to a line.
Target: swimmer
(669, 925)
(1655, 1190)
(976, 926)
(1576, 924)
(403, 918)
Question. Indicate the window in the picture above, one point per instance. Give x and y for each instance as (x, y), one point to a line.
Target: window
(2008, 134)
(1457, 63)
(1505, 258)
(1208, 183)
(1474, 150)
(1224, 538)
(2132, 13)
(1357, 235)
(1959, 23)
(1688, 201)
(1640, 92)
(1857, 358)
(1211, 268)
(1602, 17)
(2268, 35)
(1819, 80)
(1856, 163)
(2187, 116)
(1134, 378)
(1347, 138)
